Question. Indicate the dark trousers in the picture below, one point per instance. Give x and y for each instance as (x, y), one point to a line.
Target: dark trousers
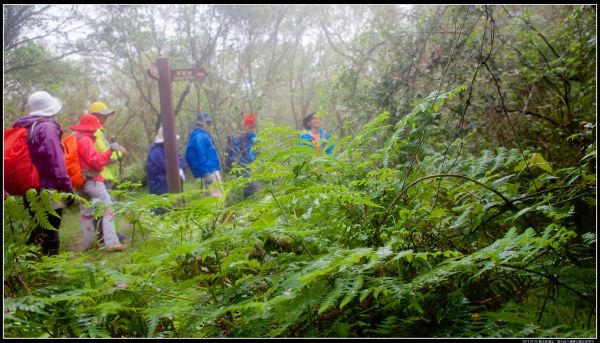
(251, 189)
(98, 221)
(49, 240)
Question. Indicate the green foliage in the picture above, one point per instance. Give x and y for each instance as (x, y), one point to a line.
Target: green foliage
(418, 226)
(313, 254)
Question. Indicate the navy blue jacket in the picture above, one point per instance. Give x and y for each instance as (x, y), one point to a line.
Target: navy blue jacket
(240, 149)
(156, 168)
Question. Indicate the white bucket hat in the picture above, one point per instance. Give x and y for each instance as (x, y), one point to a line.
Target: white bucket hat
(159, 136)
(43, 104)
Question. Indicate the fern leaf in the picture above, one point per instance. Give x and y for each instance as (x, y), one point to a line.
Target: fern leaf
(401, 128)
(514, 156)
(335, 294)
(500, 159)
(482, 163)
(353, 291)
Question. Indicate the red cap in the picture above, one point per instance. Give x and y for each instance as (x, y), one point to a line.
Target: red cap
(87, 122)
(250, 120)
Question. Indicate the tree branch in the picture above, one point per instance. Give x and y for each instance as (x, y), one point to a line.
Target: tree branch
(554, 122)
(186, 91)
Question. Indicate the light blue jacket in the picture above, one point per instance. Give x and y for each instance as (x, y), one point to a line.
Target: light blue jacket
(322, 142)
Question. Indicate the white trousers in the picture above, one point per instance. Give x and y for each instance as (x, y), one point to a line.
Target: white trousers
(213, 184)
(96, 190)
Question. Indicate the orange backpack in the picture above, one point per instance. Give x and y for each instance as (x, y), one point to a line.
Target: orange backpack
(20, 174)
(72, 161)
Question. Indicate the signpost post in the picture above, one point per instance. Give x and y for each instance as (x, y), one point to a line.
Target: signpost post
(165, 76)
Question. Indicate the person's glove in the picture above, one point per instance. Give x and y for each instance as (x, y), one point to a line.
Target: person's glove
(181, 175)
(217, 176)
(114, 146)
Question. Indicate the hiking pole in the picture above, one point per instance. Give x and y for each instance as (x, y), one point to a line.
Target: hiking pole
(114, 140)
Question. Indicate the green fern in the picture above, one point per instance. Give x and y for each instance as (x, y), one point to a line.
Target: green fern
(482, 165)
(297, 259)
(346, 286)
(352, 291)
(40, 206)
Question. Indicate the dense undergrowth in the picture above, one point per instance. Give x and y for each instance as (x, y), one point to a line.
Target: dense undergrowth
(395, 236)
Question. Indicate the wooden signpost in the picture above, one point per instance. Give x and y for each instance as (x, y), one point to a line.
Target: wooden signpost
(165, 76)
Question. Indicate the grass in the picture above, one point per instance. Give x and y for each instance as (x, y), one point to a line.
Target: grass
(70, 231)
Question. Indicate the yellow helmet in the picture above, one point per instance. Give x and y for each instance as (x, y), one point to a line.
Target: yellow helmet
(100, 108)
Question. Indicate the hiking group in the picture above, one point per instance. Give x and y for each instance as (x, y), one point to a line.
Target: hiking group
(37, 155)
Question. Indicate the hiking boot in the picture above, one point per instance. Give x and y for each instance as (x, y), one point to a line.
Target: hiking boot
(51, 248)
(116, 247)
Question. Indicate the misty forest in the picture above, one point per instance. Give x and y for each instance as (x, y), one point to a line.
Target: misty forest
(459, 199)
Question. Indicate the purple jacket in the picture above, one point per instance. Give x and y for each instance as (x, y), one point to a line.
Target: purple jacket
(46, 151)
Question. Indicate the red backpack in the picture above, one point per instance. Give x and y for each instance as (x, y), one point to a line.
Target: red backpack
(72, 161)
(20, 174)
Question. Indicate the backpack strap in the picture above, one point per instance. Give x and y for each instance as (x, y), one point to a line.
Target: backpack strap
(87, 173)
(30, 133)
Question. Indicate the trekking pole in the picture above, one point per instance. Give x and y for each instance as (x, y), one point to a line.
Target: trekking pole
(114, 140)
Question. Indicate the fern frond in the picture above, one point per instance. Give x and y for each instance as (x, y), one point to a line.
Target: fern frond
(401, 128)
(500, 159)
(341, 284)
(482, 164)
(352, 291)
(368, 132)
(41, 205)
(514, 156)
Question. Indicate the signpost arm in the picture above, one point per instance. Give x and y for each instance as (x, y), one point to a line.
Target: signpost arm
(168, 124)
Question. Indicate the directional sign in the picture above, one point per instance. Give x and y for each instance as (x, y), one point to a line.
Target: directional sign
(165, 77)
(188, 74)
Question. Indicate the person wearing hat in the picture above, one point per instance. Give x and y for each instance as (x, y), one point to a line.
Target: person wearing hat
(92, 162)
(103, 112)
(315, 134)
(48, 157)
(156, 167)
(240, 152)
(109, 173)
(201, 155)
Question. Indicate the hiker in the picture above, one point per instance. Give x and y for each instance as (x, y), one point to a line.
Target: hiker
(240, 152)
(92, 163)
(156, 167)
(101, 111)
(315, 134)
(48, 157)
(201, 155)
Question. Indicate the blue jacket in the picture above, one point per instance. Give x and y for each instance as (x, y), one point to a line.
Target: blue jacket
(240, 149)
(201, 154)
(156, 168)
(322, 142)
